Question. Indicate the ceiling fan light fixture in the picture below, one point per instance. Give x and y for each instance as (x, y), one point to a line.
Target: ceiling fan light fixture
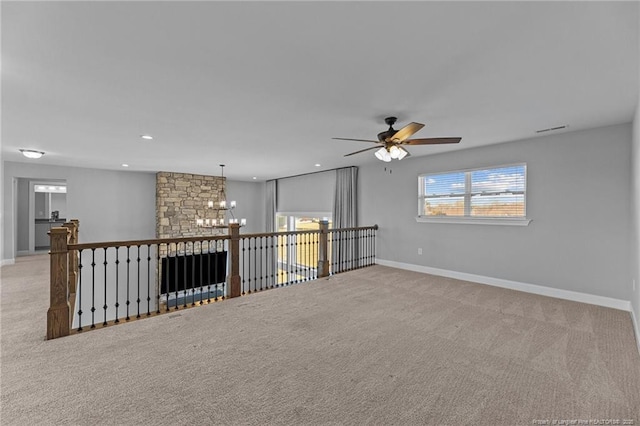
(394, 151)
(383, 155)
(30, 153)
(402, 153)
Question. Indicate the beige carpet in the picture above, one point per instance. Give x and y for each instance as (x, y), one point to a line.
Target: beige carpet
(373, 346)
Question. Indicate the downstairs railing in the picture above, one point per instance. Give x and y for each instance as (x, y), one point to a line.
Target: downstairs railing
(95, 285)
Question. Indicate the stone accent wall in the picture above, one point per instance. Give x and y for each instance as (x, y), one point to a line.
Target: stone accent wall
(181, 198)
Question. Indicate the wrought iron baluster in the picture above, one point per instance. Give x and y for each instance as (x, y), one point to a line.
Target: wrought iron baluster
(193, 275)
(372, 239)
(184, 274)
(308, 265)
(200, 281)
(138, 299)
(249, 267)
(255, 264)
(158, 278)
(80, 290)
(278, 260)
(216, 284)
(93, 287)
(128, 302)
(261, 241)
(117, 304)
(209, 271)
(352, 251)
(175, 276)
(274, 262)
(373, 246)
(267, 265)
(168, 274)
(287, 265)
(148, 279)
(296, 239)
(344, 250)
(294, 260)
(244, 264)
(224, 282)
(367, 242)
(104, 307)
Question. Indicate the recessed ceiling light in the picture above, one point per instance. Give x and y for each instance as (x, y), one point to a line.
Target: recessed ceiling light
(125, 165)
(147, 137)
(254, 178)
(317, 164)
(30, 153)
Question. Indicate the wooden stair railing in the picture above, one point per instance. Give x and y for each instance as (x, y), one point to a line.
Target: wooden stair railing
(66, 250)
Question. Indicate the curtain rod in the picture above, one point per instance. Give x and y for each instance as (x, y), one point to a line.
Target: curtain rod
(311, 173)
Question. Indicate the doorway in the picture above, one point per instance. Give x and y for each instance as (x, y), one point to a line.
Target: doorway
(292, 257)
(41, 205)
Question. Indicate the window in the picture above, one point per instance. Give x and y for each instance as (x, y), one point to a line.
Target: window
(491, 195)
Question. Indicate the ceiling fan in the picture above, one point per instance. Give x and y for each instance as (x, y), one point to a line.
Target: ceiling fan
(392, 141)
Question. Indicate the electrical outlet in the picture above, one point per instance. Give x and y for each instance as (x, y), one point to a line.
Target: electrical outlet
(420, 251)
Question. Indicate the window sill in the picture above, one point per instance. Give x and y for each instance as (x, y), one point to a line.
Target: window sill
(476, 221)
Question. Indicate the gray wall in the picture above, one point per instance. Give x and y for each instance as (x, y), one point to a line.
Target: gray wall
(23, 214)
(111, 205)
(3, 218)
(578, 197)
(250, 204)
(635, 224)
(635, 218)
(307, 193)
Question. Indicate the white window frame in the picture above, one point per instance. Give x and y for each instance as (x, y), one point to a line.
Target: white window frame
(467, 218)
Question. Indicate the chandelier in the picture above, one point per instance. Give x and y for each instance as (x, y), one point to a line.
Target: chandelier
(220, 206)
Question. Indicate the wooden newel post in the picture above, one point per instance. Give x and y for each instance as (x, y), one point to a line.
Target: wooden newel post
(73, 226)
(233, 280)
(58, 313)
(323, 250)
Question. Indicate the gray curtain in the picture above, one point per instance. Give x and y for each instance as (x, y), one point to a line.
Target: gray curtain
(345, 203)
(345, 215)
(271, 199)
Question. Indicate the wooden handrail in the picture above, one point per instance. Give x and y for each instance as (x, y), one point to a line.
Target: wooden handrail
(130, 243)
(311, 231)
(357, 228)
(96, 245)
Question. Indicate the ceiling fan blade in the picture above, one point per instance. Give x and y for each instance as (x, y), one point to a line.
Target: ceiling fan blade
(363, 150)
(357, 140)
(406, 131)
(431, 141)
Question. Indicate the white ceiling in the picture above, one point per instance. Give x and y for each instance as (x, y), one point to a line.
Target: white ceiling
(263, 87)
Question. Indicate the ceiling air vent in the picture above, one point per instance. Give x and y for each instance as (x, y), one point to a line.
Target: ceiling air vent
(551, 129)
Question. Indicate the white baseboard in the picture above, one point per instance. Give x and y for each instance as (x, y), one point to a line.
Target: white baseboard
(24, 252)
(575, 296)
(5, 262)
